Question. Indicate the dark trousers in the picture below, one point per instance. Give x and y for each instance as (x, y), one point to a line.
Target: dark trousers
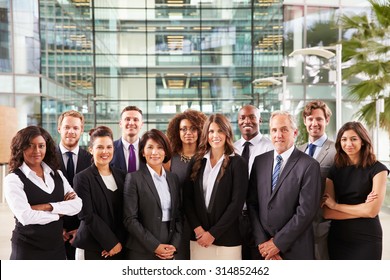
(249, 248)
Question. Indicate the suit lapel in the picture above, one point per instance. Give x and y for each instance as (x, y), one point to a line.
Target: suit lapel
(103, 188)
(293, 159)
(148, 178)
(324, 151)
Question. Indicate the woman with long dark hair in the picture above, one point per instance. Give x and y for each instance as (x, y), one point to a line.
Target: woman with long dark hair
(354, 193)
(38, 195)
(215, 193)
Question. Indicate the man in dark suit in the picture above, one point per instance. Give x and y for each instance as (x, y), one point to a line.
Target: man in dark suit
(284, 195)
(251, 144)
(126, 149)
(72, 160)
(316, 116)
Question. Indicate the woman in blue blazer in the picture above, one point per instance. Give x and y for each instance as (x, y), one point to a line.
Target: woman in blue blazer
(101, 232)
(152, 203)
(215, 193)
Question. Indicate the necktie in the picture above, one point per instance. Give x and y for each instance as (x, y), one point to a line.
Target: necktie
(276, 173)
(131, 167)
(312, 149)
(70, 168)
(245, 151)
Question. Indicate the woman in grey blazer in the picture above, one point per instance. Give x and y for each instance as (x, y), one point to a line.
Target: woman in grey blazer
(152, 203)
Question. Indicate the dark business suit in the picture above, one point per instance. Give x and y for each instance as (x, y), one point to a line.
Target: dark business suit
(220, 219)
(287, 213)
(84, 160)
(143, 214)
(101, 225)
(119, 160)
(321, 226)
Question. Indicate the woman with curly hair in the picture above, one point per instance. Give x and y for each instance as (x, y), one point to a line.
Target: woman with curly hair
(354, 193)
(38, 195)
(215, 192)
(184, 132)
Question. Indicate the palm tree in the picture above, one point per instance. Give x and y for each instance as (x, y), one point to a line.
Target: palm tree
(367, 53)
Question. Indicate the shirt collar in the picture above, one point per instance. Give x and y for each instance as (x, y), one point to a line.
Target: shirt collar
(254, 140)
(127, 144)
(27, 170)
(64, 150)
(154, 173)
(320, 141)
(285, 155)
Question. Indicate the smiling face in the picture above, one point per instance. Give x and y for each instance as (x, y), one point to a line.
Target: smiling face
(131, 123)
(248, 122)
(216, 137)
(102, 151)
(282, 133)
(70, 131)
(154, 154)
(316, 124)
(188, 132)
(351, 144)
(34, 154)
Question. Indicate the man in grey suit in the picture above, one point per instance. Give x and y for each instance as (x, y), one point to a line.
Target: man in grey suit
(284, 195)
(316, 116)
(72, 160)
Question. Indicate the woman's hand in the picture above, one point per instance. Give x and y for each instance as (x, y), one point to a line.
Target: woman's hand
(69, 196)
(165, 251)
(42, 207)
(115, 250)
(206, 239)
(328, 201)
(371, 197)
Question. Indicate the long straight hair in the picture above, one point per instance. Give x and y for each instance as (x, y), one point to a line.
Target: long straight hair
(204, 146)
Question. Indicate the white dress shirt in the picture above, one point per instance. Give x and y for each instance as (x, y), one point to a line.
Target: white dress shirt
(209, 176)
(260, 145)
(285, 155)
(75, 155)
(18, 203)
(126, 146)
(319, 143)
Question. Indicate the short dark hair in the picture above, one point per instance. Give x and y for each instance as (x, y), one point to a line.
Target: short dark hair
(131, 108)
(21, 142)
(160, 138)
(316, 104)
(100, 131)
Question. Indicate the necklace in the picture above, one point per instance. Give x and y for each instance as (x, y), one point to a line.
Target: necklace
(185, 158)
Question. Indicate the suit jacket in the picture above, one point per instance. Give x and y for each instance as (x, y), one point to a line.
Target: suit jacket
(101, 225)
(226, 202)
(143, 213)
(325, 158)
(287, 213)
(84, 160)
(119, 160)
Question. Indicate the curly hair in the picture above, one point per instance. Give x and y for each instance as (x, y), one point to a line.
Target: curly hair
(196, 118)
(158, 137)
(367, 156)
(204, 146)
(21, 142)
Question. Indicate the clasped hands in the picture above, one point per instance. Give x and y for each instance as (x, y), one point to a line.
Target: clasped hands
(165, 251)
(115, 250)
(269, 251)
(203, 238)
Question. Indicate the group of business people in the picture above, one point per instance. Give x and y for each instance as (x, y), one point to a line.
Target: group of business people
(194, 193)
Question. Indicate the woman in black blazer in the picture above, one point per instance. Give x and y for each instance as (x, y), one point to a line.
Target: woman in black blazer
(101, 232)
(152, 203)
(215, 193)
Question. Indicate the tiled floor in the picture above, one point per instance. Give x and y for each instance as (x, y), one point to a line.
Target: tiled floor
(7, 225)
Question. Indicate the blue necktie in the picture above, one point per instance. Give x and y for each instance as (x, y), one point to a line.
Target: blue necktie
(70, 168)
(132, 163)
(312, 149)
(276, 173)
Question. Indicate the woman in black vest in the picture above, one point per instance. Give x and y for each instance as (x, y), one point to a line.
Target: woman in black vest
(39, 195)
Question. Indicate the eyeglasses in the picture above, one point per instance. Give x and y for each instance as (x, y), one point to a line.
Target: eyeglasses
(185, 129)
